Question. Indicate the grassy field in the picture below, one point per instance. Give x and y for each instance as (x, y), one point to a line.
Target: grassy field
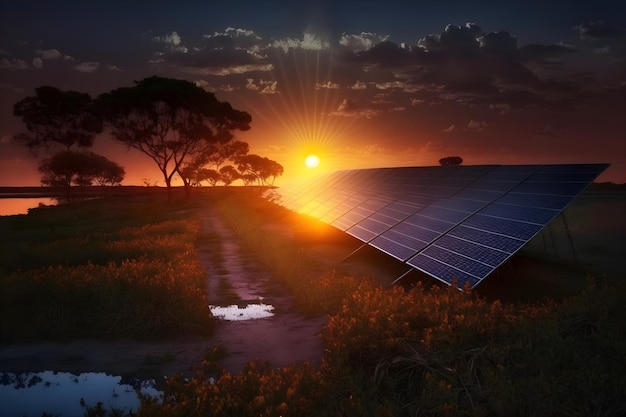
(119, 267)
(425, 350)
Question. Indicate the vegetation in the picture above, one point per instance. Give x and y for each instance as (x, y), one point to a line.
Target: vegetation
(115, 268)
(174, 122)
(57, 118)
(71, 168)
(451, 160)
(418, 351)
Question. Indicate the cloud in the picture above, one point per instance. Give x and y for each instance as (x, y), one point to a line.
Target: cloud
(37, 62)
(449, 129)
(417, 101)
(309, 41)
(350, 108)
(545, 54)
(13, 64)
(390, 84)
(48, 53)
(234, 51)
(114, 68)
(87, 67)
(362, 42)
(359, 85)
(217, 62)
(329, 85)
(262, 86)
(172, 42)
(233, 38)
(598, 30)
(385, 54)
(476, 125)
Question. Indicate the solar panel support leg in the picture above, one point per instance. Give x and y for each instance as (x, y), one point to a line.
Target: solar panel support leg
(353, 252)
(400, 277)
(569, 236)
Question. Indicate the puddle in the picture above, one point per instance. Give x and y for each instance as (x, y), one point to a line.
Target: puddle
(237, 313)
(31, 394)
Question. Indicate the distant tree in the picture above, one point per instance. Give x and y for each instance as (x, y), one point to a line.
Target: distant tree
(451, 160)
(211, 176)
(228, 174)
(249, 179)
(57, 118)
(214, 156)
(68, 168)
(107, 172)
(172, 121)
(219, 153)
(264, 170)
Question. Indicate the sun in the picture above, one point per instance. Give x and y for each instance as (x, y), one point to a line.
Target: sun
(311, 161)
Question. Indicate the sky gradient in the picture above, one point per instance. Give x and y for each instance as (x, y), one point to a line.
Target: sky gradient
(360, 83)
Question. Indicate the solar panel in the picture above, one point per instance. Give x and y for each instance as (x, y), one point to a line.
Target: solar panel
(454, 223)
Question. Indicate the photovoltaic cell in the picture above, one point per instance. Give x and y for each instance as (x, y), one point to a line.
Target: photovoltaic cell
(450, 222)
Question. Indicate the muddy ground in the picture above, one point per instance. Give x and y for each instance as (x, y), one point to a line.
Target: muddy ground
(547, 267)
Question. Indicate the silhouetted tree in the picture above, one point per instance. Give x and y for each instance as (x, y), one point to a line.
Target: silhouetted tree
(228, 174)
(211, 176)
(68, 168)
(214, 156)
(172, 121)
(451, 160)
(249, 179)
(106, 172)
(263, 169)
(54, 117)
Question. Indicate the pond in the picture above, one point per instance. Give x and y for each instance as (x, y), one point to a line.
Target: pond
(31, 394)
(13, 206)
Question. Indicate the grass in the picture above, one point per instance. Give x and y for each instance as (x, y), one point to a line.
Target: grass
(423, 351)
(119, 267)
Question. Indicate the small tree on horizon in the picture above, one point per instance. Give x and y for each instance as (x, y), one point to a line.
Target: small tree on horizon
(451, 160)
(68, 168)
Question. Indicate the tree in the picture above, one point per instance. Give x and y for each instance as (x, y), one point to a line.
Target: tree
(68, 168)
(451, 160)
(228, 174)
(215, 155)
(57, 118)
(264, 170)
(172, 121)
(106, 172)
(211, 176)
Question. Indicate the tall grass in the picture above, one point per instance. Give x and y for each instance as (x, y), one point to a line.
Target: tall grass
(122, 267)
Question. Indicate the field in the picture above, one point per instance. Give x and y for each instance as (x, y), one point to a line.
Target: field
(544, 336)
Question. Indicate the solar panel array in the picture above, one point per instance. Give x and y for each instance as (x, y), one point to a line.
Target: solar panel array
(454, 223)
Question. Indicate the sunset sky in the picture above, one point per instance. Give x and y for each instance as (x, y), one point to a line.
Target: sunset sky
(359, 83)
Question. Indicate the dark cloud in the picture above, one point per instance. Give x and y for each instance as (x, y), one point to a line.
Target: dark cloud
(598, 30)
(385, 54)
(545, 54)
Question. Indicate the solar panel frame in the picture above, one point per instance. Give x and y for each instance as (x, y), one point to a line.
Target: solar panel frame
(448, 222)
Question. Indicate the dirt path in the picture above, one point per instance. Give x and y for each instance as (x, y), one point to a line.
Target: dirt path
(233, 277)
(282, 339)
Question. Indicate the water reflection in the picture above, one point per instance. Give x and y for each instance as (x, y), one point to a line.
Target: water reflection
(248, 312)
(31, 394)
(13, 206)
